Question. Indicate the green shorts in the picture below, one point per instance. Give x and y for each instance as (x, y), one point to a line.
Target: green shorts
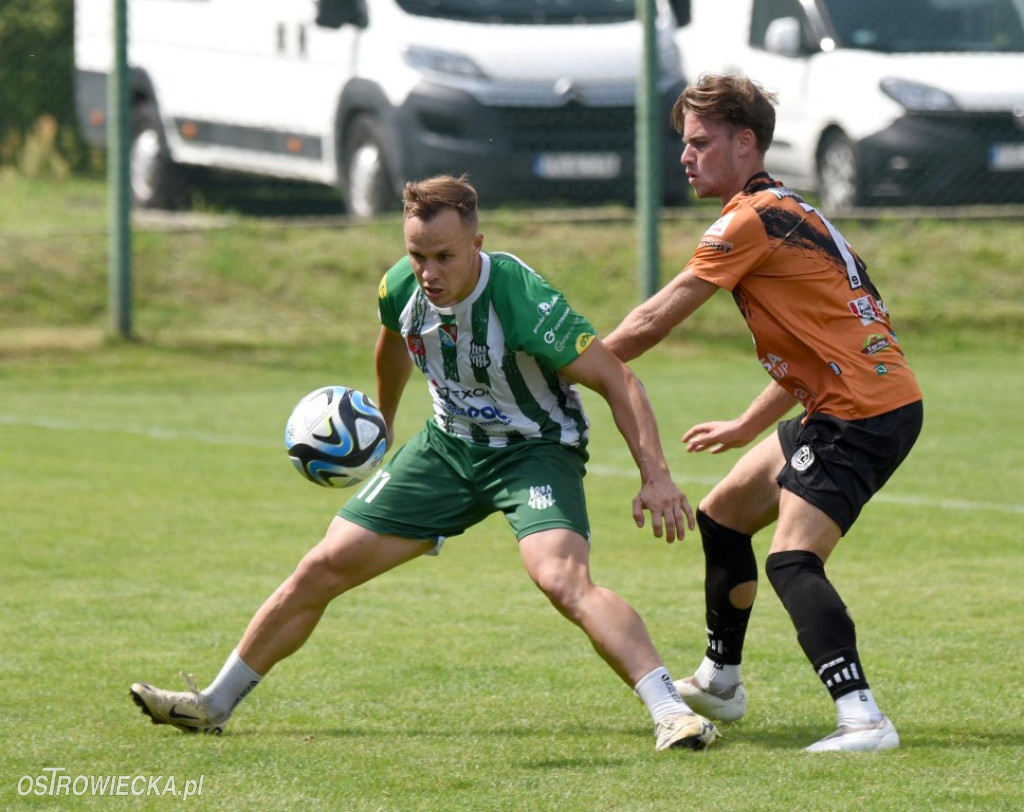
(437, 486)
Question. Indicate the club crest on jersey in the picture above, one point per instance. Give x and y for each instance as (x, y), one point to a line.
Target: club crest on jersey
(415, 343)
(449, 335)
(802, 459)
(479, 355)
(541, 497)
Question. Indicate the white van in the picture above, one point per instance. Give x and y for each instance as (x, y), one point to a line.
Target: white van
(531, 98)
(879, 100)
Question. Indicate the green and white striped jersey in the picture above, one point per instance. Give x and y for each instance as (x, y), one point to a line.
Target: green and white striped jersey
(491, 359)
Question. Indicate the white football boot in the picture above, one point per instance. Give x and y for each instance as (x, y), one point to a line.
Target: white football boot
(685, 730)
(727, 706)
(185, 710)
(880, 736)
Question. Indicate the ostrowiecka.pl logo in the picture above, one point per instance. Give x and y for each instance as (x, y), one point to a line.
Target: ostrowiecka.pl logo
(58, 781)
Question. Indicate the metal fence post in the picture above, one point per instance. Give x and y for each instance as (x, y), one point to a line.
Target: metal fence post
(648, 153)
(118, 187)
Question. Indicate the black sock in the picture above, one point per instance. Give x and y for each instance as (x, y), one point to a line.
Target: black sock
(729, 561)
(824, 628)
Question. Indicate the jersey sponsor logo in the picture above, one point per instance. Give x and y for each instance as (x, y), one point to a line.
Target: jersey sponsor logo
(486, 415)
(546, 313)
(802, 459)
(802, 392)
(541, 497)
(544, 308)
(448, 334)
(584, 340)
(716, 244)
(720, 225)
(875, 343)
(838, 370)
(867, 308)
(882, 369)
(479, 355)
(382, 289)
(449, 392)
(775, 365)
(552, 335)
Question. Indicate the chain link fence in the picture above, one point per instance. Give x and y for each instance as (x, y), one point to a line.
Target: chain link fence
(340, 101)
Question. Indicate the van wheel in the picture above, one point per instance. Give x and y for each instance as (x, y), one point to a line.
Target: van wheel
(156, 181)
(367, 179)
(839, 182)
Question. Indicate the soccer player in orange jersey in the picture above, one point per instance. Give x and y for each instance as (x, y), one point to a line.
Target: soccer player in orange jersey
(824, 335)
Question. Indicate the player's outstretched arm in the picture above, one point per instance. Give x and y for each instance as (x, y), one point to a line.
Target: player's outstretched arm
(599, 370)
(393, 367)
(720, 435)
(651, 321)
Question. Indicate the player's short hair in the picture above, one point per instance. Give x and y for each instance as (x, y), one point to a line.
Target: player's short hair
(736, 100)
(425, 199)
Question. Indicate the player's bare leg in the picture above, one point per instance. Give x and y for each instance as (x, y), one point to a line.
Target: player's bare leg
(347, 556)
(558, 562)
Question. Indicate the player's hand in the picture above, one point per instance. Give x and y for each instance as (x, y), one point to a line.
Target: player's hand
(718, 436)
(670, 510)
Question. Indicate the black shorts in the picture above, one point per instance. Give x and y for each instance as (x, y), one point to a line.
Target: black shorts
(838, 465)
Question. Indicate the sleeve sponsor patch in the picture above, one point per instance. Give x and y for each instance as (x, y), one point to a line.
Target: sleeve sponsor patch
(584, 340)
(720, 225)
(715, 244)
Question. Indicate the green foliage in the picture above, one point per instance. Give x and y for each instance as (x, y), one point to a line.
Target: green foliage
(37, 108)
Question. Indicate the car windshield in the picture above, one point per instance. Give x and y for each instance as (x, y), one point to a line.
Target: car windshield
(923, 26)
(537, 12)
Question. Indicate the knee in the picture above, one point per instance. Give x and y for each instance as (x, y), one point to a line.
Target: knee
(564, 586)
(315, 578)
(786, 570)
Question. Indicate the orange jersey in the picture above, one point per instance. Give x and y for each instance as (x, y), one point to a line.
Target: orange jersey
(819, 325)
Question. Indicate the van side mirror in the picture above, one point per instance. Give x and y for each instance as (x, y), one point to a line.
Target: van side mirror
(681, 10)
(782, 37)
(336, 13)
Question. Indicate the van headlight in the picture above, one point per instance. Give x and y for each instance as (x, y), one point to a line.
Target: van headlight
(427, 59)
(915, 96)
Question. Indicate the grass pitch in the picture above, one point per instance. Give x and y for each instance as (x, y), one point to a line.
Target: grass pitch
(148, 508)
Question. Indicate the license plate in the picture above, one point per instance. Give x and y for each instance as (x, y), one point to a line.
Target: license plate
(578, 165)
(1006, 157)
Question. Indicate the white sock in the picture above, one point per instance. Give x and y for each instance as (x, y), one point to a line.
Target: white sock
(858, 709)
(234, 681)
(716, 676)
(660, 696)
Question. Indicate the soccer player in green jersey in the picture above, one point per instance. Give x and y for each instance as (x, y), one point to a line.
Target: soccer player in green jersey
(500, 350)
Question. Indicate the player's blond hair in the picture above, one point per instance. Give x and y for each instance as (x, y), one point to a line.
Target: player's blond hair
(425, 199)
(736, 100)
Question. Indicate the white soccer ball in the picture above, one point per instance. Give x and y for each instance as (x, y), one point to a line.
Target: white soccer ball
(336, 436)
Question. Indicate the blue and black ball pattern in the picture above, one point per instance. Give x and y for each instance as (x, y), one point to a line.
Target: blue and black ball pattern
(336, 436)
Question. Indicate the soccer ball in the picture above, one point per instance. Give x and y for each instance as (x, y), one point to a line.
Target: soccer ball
(336, 436)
